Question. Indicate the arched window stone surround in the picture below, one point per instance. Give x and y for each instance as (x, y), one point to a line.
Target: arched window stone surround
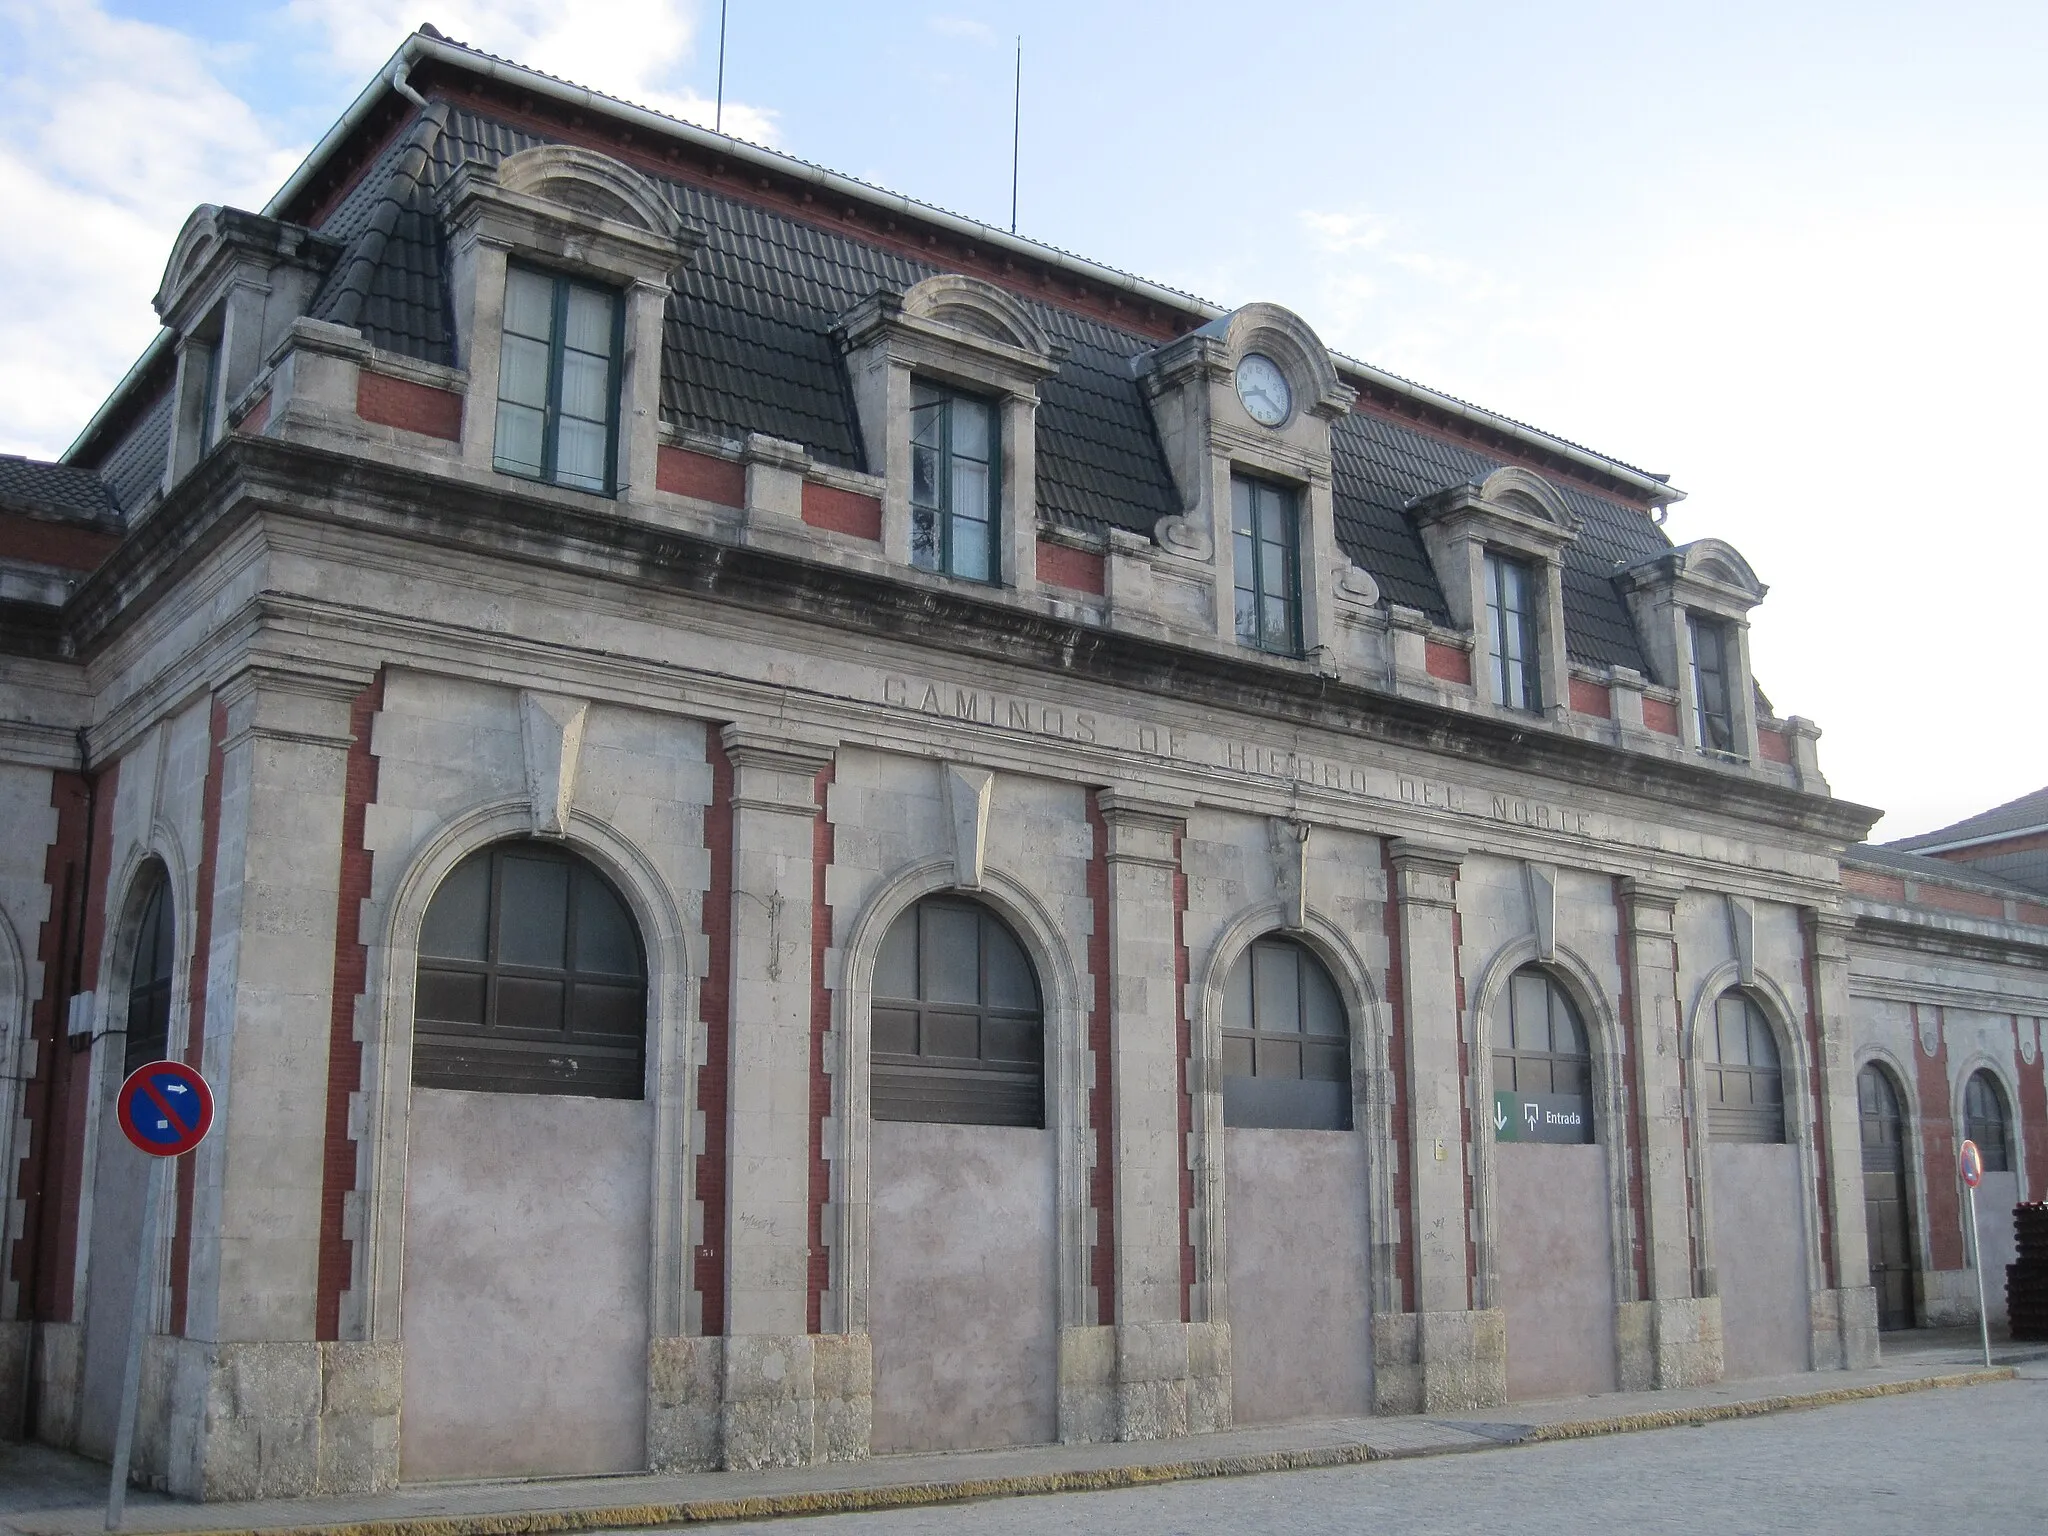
(13, 1065)
(2001, 1073)
(371, 1306)
(1615, 1131)
(1770, 996)
(1906, 1084)
(1371, 1099)
(1066, 1037)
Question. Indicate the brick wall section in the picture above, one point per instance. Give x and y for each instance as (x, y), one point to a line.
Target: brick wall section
(714, 995)
(2031, 913)
(1972, 854)
(1773, 745)
(1823, 1201)
(1631, 1047)
(1448, 662)
(1660, 717)
(1937, 1145)
(202, 954)
(683, 473)
(1397, 1069)
(344, 1050)
(2033, 1112)
(1948, 899)
(63, 545)
(1062, 565)
(411, 407)
(821, 1078)
(1866, 882)
(837, 511)
(1184, 1098)
(257, 417)
(57, 1156)
(1101, 1102)
(49, 1088)
(1591, 699)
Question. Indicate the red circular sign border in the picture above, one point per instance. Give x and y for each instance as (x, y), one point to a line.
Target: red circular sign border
(1968, 1151)
(132, 1086)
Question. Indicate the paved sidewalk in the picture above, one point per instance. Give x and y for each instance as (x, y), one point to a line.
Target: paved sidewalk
(49, 1493)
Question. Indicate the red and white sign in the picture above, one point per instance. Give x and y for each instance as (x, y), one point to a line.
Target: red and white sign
(1971, 1164)
(165, 1108)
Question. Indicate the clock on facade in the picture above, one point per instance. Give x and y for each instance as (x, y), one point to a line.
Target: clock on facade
(1263, 389)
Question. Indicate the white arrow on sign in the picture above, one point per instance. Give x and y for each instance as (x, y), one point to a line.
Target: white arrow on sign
(1500, 1117)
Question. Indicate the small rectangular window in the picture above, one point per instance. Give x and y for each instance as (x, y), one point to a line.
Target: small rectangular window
(1511, 589)
(558, 381)
(1265, 533)
(1712, 684)
(953, 483)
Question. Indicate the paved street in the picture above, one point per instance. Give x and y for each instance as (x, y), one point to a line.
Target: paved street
(1968, 1463)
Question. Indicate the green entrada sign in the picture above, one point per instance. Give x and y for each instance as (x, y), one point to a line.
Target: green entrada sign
(1555, 1117)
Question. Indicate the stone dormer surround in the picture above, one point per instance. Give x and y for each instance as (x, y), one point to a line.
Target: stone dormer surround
(584, 214)
(233, 286)
(1208, 436)
(1514, 512)
(970, 334)
(1709, 578)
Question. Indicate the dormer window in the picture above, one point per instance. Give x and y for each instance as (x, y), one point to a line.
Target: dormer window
(558, 381)
(954, 445)
(1511, 600)
(1266, 530)
(1712, 680)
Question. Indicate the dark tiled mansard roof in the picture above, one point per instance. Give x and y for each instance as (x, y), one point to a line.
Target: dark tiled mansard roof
(749, 349)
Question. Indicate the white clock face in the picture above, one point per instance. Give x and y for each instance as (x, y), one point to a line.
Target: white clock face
(1263, 389)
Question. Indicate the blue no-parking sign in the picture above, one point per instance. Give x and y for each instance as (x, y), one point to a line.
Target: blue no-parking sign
(165, 1108)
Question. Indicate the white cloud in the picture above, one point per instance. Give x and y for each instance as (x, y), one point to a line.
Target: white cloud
(630, 49)
(111, 132)
(963, 27)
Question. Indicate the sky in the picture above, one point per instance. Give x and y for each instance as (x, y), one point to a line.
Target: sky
(1790, 254)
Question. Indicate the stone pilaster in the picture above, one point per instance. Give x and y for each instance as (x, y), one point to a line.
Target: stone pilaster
(1844, 1317)
(1675, 1338)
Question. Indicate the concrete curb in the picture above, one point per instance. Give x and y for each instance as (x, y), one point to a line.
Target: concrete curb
(910, 1495)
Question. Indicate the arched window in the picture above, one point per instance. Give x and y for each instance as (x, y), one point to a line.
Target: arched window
(1542, 1070)
(1986, 1121)
(959, 1031)
(1887, 1213)
(149, 978)
(531, 979)
(1286, 1042)
(1745, 1086)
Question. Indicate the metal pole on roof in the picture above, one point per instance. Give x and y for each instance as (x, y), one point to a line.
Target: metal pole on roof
(1016, 130)
(718, 109)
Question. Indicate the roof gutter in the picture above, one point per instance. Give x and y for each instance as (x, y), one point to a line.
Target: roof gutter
(419, 47)
(1976, 842)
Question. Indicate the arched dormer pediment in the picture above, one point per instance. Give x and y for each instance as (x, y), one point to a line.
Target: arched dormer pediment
(190, 252)
(1709, 575)
(968, 304)
(1528, 493)
(591, 184)
(1275, 331)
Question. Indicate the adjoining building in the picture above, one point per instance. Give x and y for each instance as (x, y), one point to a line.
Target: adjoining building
(792, 827)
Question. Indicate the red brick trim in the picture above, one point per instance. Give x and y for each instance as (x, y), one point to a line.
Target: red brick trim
(1660, 717)
(837, 511)
(1062, 565)
(821, 1077)
(1809, 970)
(1976, 851)
(257, 417)
(408, 406)
(1866, 883)
(202, 959)
(1397, 1097)
(1938, 1146)
(344, 1050)
(1183, 1098)
(1592, 699)
(714, 994)
(1101, 1101)
(2033, 1108)
(63, 545)
(700, 475)
(1773, 744)
(1948, 899)
(1632, 1032)
(1451, 663)
(2032, 914)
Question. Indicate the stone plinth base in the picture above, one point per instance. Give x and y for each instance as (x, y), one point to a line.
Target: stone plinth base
(758, 1400)
(15, 1341)
(1668, 1344)
(1171, 1379)
(1844, 1328)
(1439, 1362)
(1087, 1392)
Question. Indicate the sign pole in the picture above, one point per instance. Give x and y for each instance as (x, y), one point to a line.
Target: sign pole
(138, 1334)
(1977, 1256)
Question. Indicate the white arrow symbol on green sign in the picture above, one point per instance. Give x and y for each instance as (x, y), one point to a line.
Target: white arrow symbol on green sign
(1500, 1116)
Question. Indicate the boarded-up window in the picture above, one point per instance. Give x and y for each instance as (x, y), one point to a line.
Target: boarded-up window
(1745, 1085)
(1542, 1069)
(1286, 1043)
(531, 979)
(149, 979)
(959, 1030)
(1986, 1121)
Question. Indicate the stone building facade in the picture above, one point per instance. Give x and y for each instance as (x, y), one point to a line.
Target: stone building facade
(793, 828)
